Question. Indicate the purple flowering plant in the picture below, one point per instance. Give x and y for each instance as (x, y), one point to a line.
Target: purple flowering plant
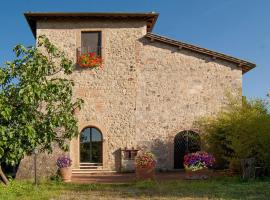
(63, 161)
(198, 160)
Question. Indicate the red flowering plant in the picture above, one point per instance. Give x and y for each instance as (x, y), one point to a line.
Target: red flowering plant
(198, 160)
(90, 60)
(145, 160)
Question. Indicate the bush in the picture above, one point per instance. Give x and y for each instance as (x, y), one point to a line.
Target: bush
(239, 132)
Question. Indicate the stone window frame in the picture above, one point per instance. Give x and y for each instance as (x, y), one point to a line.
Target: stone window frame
(102, 142)
(75, 146)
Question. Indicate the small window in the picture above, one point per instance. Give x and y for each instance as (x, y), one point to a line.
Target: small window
(91, 42)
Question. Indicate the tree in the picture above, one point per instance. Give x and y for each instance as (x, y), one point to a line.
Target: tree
(238, 132)
(36, 104)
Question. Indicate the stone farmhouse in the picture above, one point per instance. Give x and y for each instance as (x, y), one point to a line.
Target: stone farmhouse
(147, 95)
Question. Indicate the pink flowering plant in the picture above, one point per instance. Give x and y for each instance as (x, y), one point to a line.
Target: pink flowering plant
(198, 160)
(63, 161)
(145, 160)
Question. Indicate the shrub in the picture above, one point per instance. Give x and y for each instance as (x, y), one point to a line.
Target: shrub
(238, 132)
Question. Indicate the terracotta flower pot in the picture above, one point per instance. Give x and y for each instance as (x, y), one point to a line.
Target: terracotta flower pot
(198, 175)
(65, 173)
(145, 173)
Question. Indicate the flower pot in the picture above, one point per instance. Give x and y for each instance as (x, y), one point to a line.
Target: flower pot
(198, 174)
(65, 173)
(145, 173)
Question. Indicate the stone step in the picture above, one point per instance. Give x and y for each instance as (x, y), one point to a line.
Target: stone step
(92, 171)
(90, 167)
(91, 164)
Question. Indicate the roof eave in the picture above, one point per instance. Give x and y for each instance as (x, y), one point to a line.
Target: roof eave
(32, 24)
(245, 65)
(33, 17)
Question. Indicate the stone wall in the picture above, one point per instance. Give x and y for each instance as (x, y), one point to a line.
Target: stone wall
(145, 93)
(46, 165)
(174, 89)
(109, 93)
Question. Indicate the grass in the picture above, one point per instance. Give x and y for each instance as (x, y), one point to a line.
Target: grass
(217, 188)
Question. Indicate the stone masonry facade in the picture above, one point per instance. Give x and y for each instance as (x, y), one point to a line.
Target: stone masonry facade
(145, 93)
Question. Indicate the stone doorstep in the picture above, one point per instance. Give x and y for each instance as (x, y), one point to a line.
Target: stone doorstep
(92, 172)
(90, 167)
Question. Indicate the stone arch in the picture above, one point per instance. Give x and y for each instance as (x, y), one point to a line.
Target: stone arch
(84, 124)
(187, 141)
(75, 142)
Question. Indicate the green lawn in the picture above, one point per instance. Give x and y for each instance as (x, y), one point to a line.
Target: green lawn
(218, 188)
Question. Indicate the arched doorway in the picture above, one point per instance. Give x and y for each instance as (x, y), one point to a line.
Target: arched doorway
(91, 145)
(185, 142)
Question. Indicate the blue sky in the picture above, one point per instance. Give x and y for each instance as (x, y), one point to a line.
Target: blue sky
(235, 27)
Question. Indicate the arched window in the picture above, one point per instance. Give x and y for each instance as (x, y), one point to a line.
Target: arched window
(91, 145)
(185, 142)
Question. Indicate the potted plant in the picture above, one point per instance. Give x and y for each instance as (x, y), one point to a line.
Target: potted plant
(89, 60)
(64, 163)
(145, 164)
(197, 164)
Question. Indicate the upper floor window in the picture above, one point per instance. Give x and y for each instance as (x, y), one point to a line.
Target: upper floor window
(89, 54)
(91, 42)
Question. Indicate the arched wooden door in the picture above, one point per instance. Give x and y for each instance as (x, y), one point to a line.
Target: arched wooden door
(185, 142)
(91, 145)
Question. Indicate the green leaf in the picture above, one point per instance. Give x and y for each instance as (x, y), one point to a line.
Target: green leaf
(35, 106)
(6, 113)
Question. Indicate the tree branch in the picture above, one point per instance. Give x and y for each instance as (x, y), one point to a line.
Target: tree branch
(3, 176)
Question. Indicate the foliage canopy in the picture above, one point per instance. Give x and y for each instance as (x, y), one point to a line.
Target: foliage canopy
(238, 132)
(36, 104)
